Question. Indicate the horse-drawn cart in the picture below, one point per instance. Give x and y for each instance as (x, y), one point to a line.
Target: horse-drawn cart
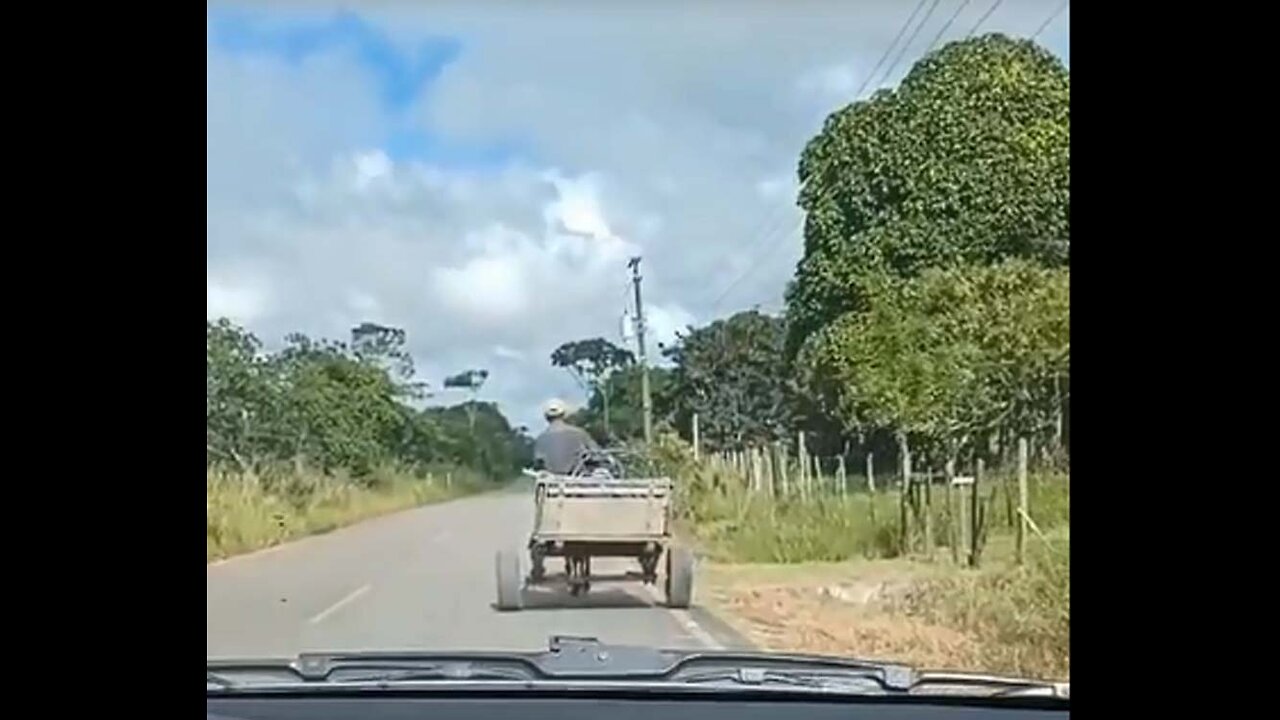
(582, 517)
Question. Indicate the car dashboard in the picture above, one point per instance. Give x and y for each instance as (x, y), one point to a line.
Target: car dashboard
(387, 705)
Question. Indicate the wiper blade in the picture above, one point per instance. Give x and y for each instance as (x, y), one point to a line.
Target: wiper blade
(217, 680)
(812, 671)
(943, 683)
(366, 672)
(849, 681)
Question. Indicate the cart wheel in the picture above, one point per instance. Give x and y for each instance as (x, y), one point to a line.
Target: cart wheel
(679, 577)
(509, 580)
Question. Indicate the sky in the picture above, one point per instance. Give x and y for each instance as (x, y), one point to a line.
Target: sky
(478, 173)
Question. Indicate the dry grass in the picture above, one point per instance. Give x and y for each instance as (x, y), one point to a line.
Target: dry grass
(250, 512)
(998, 618)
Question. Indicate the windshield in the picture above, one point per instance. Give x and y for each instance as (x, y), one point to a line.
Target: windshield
(703, 325)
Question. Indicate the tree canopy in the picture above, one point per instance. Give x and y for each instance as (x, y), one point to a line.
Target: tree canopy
(955, 354)
(732, 374)
(331, 406)
(966, 162)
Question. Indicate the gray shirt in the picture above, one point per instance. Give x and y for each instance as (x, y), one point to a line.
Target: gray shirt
(560, 446)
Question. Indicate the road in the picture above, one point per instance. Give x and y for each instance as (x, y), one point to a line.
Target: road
(423, 579)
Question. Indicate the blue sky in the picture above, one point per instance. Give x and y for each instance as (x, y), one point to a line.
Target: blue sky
(402, 73)
(479, 172)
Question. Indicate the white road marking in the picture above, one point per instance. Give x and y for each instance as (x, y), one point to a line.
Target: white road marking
(686, 621)
(338, 605)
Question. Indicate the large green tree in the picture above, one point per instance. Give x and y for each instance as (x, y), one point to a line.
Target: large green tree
(732, 374)
(966, 162)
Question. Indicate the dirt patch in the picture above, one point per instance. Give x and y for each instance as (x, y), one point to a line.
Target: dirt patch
(838, 608)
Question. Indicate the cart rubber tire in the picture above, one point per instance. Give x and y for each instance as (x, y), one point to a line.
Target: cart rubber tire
(509, 580)
(679, 577)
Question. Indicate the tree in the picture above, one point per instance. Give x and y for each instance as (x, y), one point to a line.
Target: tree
(385, 346)
(337, 410)
(329, 406)
(591, 362)
(626, 404)
(471, 380)
(733, 375)
(950, 357)
(477, 434)
(239, 390)
(966, 162)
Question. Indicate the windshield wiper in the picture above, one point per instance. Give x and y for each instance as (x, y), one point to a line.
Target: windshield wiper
(945, 683)
(397, 672)
(217, 680)
(861, 682)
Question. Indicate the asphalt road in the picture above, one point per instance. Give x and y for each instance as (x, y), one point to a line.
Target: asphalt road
(424, 579)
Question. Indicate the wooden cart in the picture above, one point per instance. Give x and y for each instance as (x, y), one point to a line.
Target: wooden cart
(580, 518)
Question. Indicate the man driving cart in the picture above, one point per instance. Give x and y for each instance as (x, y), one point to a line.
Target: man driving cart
(585, 507)
(561, 447)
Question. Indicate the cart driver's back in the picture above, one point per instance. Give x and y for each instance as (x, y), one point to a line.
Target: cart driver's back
(559, 448)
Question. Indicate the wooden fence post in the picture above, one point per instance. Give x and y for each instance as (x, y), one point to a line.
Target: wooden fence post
(696, 445)
(1022, 498)
(928, 514)
(780, 451)
(842, 478)
(975, 509)
(802, 460)
(953, 526)
(964, 526)
(871, 488)
(904, 529)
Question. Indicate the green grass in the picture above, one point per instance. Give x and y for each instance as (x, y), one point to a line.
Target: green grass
(734, 524)
(246, 512)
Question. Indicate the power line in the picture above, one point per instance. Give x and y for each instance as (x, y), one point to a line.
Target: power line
(888, 73)
(901, 53)
(758, 264)
(889, 49)
(778, 219)
(775, 226)
(984, 17)
(959, 9)
(1049, 19)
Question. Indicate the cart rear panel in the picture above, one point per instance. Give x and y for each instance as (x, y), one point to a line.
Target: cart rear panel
(601, 510)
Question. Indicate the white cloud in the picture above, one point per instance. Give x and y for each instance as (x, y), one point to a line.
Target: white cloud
(506, 353)
(235, 300)
(664, 321)
(836, 82)
(577, 210)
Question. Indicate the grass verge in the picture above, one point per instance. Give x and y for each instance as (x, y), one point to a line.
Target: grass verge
(999, 618)
(247, 512)
(850, 589)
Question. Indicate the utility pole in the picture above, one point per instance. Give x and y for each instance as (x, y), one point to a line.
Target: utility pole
(644, 364)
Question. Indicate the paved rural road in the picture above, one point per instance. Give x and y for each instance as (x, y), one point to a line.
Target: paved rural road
(423, 579)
